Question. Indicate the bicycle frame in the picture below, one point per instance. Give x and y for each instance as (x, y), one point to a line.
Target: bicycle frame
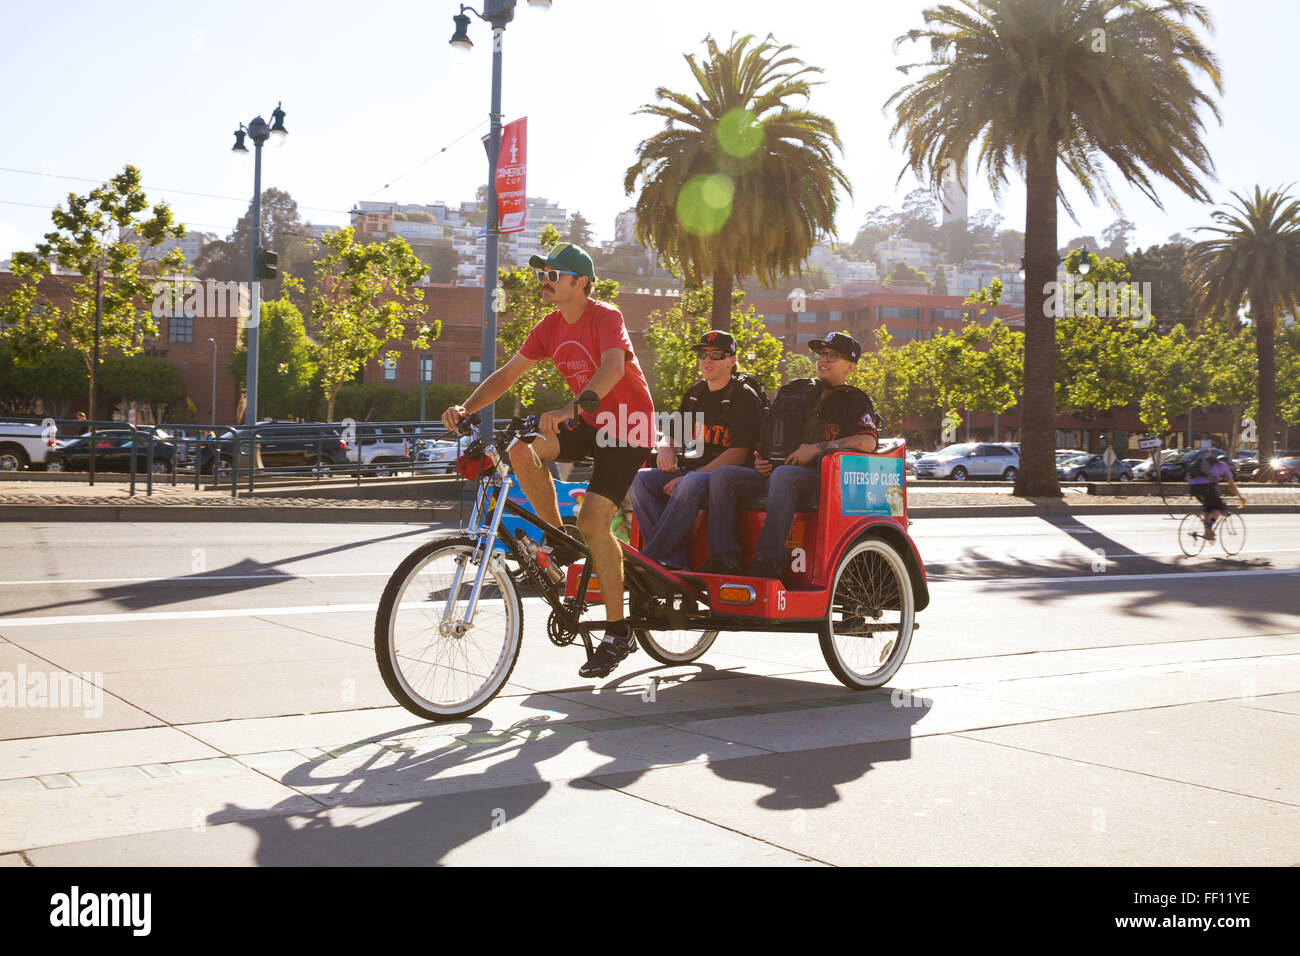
(494, 496)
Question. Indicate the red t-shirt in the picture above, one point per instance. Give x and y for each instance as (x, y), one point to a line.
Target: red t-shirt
(627, 411)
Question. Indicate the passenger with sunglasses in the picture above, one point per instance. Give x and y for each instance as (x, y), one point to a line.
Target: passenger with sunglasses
(835, 416)
(723, 418)
(588, 342)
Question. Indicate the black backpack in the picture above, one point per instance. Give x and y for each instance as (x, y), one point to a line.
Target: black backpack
(792, 419)
(1198, 463)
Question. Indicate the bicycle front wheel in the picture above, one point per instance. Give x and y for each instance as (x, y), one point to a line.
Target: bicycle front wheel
(1232, 534)
(1191, 534)
(432, 662)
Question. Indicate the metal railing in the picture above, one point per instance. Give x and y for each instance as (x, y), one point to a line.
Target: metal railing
(240, 457)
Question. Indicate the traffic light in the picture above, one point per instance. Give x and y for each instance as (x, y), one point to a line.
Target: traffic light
(268, 264)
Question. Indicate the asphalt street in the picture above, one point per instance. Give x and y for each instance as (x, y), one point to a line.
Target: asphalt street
(1078, 692)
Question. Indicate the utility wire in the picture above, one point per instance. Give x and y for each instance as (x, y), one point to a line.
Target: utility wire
(428, 158)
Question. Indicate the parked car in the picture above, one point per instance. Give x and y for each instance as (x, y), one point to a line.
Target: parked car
(114, 449)
(23, 444)
(1246, 469)
(970, 460)
(1173, 465)
(1132, 463)
(436, 456)
(304, 445)
(1092, 468)
(1063, 453)
(1287, 469)
(384, 450)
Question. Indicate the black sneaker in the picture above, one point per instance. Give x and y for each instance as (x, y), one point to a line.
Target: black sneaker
(608, 655)
(717, 564)
(765, 568)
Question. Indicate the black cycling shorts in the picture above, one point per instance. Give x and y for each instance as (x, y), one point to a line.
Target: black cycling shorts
(614, 467)
(1208, 495)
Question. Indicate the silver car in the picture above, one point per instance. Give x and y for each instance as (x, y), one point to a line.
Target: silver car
(970, 460)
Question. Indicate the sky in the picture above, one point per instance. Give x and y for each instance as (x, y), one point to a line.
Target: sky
(379, 108)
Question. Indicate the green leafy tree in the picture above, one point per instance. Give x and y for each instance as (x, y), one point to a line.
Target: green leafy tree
(1165, 267)
(1042, 83)
(672, 338)
(55, 380)
(149, 381)
(998, 367)
(363, 297)
(287, 368)
(85, 240)
(579, 230)
(898, 380)
(282, 231)
(1288, 374)
(881, 223)
(1230, 358)
(1256, 259)
(797, 365)
(1173, 379)
(739, 182)
(903, 274)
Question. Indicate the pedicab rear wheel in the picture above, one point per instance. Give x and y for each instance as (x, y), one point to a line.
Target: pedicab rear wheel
(869, 622)
(669, 646)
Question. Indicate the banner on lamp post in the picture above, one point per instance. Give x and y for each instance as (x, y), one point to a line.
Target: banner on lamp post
(512, 164)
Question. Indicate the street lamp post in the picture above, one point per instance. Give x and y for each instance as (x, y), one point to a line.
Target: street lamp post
(259, 132)
(213, 343)
(497, 13)
(423, 378)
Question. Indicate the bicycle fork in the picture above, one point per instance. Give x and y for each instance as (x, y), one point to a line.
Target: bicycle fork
(482, 554)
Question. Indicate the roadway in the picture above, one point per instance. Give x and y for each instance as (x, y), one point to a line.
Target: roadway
(1078, 692)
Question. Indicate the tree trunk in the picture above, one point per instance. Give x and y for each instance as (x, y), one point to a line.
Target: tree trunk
(1036, 477)
(1265, 321)
(722, 285)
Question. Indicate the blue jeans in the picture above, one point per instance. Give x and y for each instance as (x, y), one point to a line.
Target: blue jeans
(783, 487)
(666, 520)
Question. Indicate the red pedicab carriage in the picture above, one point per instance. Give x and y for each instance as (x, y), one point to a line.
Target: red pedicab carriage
(450, 623)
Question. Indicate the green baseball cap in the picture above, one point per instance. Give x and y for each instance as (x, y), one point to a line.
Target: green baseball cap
(567, 257)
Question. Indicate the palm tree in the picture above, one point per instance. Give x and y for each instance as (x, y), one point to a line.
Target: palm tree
(1042, 82)
(737, 183)
(1256, 260)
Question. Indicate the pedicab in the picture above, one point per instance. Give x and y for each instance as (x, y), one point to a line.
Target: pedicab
(450, 621)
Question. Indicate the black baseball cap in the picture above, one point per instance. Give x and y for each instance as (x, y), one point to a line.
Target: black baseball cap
(841, 342)
(713, 339)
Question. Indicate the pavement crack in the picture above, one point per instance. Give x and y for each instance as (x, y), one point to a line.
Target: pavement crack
(713, 823)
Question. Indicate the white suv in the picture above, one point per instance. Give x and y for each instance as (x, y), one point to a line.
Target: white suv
(970, 460)
(25, 443)
(384, 450)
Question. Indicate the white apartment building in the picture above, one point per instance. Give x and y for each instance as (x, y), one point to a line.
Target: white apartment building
(918, 255)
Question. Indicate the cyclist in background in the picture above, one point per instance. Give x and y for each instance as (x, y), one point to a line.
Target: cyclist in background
(1203, 486)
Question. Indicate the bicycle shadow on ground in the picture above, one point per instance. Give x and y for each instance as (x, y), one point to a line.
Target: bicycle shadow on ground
(1148, 600)
(414, 798)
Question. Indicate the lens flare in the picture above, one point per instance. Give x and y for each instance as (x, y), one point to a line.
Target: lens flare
(740, 133)
(704, 204)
